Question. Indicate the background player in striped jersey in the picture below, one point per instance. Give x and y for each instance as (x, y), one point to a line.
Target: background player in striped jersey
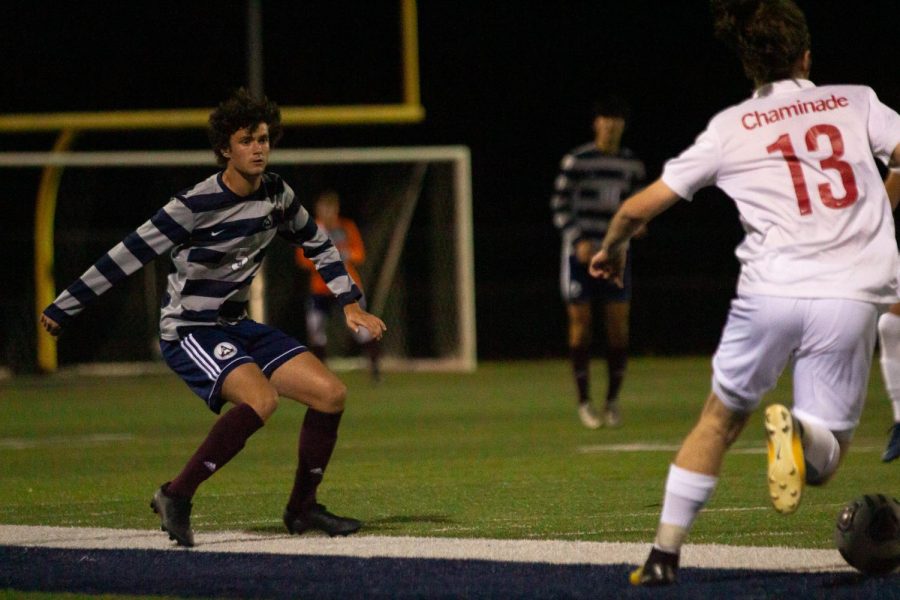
(346, 238)
(593, 180)
(218, 232)
(818, 263)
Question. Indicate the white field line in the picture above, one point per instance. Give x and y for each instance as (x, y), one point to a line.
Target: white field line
(76, 441)
(539, 551)
(642, 447)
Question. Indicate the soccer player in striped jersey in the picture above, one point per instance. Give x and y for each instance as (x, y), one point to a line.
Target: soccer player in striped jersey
(217, 233)
(593, 180)
(818, 263)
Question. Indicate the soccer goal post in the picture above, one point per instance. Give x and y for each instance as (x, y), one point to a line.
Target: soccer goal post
(413, 206)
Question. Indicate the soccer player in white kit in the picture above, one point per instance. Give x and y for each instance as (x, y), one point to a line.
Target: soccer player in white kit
(818, 264)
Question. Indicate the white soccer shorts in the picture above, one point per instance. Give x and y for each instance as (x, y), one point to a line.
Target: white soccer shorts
(830, 341)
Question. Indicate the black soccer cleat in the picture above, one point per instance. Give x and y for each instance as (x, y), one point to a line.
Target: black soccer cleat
(893, 447)
(317, 517)
(174, 515)
(660, 569)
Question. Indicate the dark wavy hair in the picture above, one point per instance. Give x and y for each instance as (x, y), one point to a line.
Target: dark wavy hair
(770, 36)
(238, 111)
(611, 105)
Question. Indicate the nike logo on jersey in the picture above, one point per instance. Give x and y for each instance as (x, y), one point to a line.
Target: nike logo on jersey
(215, 233)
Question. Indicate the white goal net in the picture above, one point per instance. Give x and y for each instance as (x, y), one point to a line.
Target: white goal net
(412, 206)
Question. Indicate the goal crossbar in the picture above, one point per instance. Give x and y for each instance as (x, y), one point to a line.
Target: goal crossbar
(156, 158)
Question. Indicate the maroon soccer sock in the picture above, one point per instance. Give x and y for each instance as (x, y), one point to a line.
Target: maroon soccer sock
(318, 435)
(224, 441)
(616, 359)
(581, 371)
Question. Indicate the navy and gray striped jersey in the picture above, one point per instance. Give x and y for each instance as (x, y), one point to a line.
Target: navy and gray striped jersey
(589, 189)
(217, 242)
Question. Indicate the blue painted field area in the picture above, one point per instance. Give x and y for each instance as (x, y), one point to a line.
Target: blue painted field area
(235, 575)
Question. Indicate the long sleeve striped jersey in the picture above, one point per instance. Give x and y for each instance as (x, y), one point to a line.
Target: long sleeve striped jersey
(589, 189)
(217, 242)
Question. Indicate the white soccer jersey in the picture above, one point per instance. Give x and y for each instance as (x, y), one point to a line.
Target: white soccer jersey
(797, 160)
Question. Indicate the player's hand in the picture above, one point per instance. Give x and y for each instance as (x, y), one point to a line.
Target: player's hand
(356, 317)
(52, 327)
(609, 265)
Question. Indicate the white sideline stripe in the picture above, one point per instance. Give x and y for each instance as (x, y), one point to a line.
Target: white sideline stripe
(717, 556)
(641, 447)
(12, 443)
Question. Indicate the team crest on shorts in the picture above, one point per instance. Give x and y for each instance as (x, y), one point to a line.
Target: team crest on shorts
(224, 351)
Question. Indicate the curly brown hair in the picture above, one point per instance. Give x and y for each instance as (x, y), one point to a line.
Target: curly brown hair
(770, 36)
(238, 111)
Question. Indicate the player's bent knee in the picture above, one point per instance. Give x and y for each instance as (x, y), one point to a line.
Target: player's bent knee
(265, 402)
(335, 397)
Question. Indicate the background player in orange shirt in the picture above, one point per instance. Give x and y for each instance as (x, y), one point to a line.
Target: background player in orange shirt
(349, 243)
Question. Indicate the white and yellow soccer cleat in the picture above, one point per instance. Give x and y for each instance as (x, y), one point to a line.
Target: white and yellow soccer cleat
(660, 569)
(787, 469)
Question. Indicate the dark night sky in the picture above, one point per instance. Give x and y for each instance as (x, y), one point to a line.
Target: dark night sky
(512, 80)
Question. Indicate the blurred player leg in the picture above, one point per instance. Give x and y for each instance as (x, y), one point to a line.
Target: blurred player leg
(580, 323)
(889, 338)
(617, 332)
(316, 320)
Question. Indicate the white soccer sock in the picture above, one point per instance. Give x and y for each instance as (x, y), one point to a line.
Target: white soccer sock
(686, 493)
(821, 452)
(889, 340)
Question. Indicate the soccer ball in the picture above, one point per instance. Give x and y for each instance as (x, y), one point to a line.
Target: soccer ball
(867, 534)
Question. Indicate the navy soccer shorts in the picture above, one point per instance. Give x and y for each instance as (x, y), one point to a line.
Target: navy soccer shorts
(579, 287)
(204, 356)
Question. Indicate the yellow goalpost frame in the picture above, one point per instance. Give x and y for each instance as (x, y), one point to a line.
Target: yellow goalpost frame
(69, 124)
(408, 111)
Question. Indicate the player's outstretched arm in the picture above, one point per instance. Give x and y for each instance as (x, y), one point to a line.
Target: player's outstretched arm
(356, 317)
(631, 218)
(169, 226)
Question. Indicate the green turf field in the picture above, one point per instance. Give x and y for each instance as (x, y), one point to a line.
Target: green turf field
(497, 454)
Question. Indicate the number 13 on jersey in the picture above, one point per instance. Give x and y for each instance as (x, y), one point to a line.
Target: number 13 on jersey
(848, 180)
